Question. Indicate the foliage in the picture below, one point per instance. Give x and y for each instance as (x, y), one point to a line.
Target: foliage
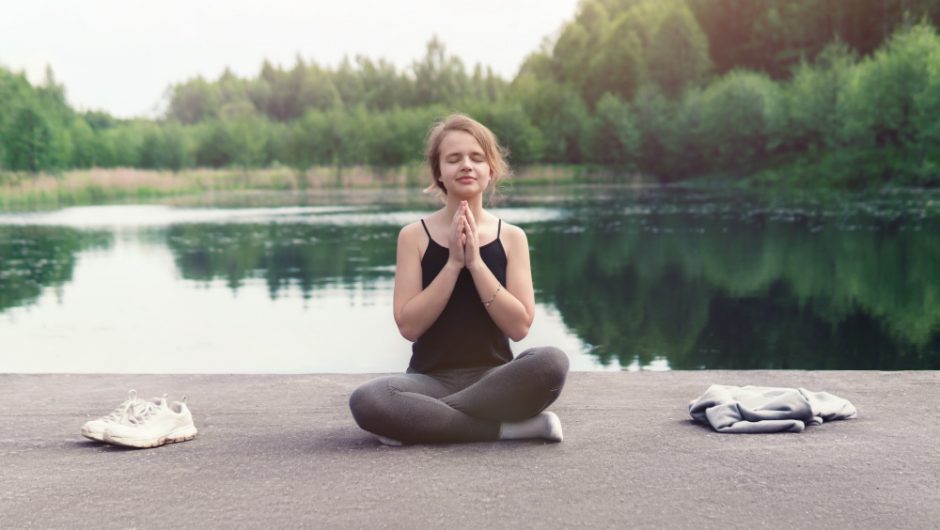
(737, 120)
(614, 138)
(796, 91)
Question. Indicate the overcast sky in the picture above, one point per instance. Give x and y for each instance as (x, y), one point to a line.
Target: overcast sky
(121, 55)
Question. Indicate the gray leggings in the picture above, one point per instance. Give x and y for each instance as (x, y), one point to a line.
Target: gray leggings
(465, 405)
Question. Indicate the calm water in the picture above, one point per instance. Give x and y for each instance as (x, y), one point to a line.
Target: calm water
(652, 279)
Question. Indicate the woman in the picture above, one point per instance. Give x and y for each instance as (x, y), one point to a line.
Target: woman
(463, 287)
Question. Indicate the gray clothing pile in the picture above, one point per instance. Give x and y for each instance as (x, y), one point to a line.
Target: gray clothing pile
(762, 409)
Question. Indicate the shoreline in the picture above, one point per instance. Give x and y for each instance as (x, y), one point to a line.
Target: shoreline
(353, 185)
(117, 185)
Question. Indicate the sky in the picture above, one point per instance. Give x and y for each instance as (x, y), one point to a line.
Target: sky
(121, 56)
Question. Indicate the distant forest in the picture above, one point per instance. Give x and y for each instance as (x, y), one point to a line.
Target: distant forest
(809, 92)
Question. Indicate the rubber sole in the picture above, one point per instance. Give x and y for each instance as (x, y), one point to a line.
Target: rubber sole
(95, 437)
(183, 435)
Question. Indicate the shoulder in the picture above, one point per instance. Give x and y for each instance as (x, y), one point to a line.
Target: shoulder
(410, 234)
(411, 229)
(513, 238)
(511, 232)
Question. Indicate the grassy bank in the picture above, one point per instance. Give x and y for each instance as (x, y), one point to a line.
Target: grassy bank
(101, 186)
(19, 191)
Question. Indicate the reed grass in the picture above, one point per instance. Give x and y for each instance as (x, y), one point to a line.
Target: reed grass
(20, 191)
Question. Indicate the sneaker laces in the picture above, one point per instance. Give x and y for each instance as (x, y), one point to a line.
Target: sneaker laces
(148, 410)
(121, 412)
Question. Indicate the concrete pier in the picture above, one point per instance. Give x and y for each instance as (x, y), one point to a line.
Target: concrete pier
(278, 451)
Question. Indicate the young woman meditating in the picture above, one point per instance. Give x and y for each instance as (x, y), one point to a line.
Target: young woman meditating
(463, 288)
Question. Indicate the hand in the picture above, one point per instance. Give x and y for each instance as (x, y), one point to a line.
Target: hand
(457, 239)
(471, 248)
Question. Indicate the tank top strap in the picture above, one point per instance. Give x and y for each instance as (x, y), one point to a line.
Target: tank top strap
(426, 231)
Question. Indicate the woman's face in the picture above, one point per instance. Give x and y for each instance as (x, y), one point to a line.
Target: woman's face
(464, 169)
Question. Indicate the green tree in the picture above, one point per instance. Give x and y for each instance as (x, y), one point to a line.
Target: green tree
(927, 126)
(165, 147)
(85, 143)
(194, 101)
(678, 53)
(618, 67)
(306, 141)
(382, 87)
(739, 115)
(657, 123)
(810, 101)
(891, 81)
(438, 78)
(559, 113)
(30, 141)
(614, 137)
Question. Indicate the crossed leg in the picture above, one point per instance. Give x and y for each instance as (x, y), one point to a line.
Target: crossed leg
(466, 406)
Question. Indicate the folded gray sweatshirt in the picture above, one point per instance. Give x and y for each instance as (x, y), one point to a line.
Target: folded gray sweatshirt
(759, 409)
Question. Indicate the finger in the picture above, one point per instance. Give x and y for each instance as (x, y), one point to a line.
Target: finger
(471, 221)
(461, 210)
(471, 235)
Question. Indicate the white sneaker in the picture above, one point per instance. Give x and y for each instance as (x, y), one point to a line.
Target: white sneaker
(153, 425)
(94, 429)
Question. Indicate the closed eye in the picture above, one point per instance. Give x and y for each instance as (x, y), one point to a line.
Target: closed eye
(476, 157)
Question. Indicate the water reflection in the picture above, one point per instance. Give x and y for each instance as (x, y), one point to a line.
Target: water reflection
(735, 287)
(36, 257)
(284, 255)
(656, 279)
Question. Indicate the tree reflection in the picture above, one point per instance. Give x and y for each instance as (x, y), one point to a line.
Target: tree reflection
(708, 292)
(35, 257)
(702, 288)
(302, 255)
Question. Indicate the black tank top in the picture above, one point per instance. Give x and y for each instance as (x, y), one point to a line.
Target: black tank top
(464, 335)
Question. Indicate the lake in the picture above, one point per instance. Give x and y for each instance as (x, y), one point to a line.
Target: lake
(626, 278)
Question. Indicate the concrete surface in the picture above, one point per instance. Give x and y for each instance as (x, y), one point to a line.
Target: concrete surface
(282, 451)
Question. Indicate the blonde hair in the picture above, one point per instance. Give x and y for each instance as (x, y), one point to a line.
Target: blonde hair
(494, 154)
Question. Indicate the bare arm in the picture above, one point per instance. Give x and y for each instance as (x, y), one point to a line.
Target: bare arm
(415, 307)
(512, 308)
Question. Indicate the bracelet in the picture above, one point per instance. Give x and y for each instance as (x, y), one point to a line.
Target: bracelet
(487, 303)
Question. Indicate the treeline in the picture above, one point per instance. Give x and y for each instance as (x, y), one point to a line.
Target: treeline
(790, 89)
(362, 112)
